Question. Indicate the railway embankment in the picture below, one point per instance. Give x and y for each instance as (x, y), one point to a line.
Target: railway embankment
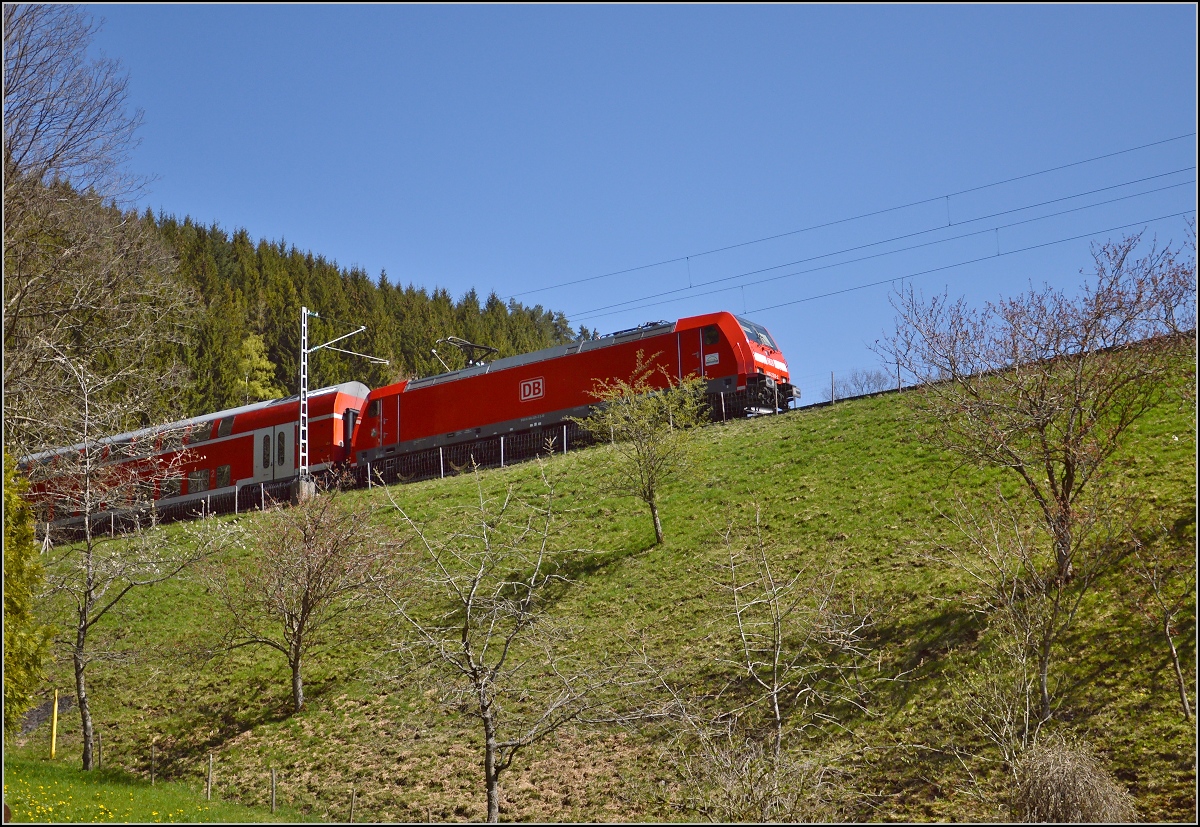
(849, 493)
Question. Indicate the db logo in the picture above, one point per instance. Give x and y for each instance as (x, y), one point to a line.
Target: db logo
(533, 389)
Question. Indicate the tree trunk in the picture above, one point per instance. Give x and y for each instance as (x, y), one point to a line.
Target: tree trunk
(777, 725)
(658, 532)
(85, 712)
(297, 683)
(1061, 529)
(490, 772)
(1183, 698)
(1044, 678)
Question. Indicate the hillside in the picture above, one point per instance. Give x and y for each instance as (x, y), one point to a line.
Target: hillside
(850, 487)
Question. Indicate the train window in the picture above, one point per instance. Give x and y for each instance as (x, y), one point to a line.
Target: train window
(197, 481)
(223, 476)
(279, 449)
(266, 451)
(712, 335)
(374, 408)
(757, 333)
(200, 432)
(226, 426)
(348, 421)
(170, 487)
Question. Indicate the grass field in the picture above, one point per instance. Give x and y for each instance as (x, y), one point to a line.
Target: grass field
(45, 792)
(851, 486)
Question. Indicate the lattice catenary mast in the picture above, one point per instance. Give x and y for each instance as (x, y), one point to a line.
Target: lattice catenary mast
(304, 351)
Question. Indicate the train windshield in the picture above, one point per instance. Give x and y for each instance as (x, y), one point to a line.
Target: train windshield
(757, 333)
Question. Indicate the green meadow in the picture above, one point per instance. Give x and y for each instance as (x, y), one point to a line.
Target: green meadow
(852, 488)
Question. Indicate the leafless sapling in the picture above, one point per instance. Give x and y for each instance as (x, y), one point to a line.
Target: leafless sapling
(475, 614)
(797, 652)
(308, 567)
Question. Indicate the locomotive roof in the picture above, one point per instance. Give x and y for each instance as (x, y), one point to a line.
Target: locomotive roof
(652, 329)
(351, 388)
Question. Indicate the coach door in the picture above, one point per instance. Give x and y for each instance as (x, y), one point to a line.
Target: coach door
(284, 439)
(274, 453)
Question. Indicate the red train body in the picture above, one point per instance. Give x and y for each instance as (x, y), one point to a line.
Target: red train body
(490, 414)
(509, 408)
(217, 462)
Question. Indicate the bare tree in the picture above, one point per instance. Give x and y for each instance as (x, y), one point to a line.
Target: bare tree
(91, 314)
(475, 614)
(309, 568)
(1011, 563)
(797, 657)
(95, 573)
(87, 289)
(651, 431)
(1045, 384)
(800, 637)
(66, 116)
(95, 498)
(860, 382)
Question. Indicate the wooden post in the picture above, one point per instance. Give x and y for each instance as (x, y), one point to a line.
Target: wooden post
(208, 786)
(564, 439)
(272, 790)
(54, 726)
(441, 462)
(152, 757)
(352, 805)
(832, 388)
(99, 751)
(501, 451)
(899, 387)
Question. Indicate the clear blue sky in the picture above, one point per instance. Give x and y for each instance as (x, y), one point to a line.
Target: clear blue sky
(515, 148)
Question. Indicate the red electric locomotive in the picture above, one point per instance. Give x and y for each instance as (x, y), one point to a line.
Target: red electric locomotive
(223, 461)
(512, 407)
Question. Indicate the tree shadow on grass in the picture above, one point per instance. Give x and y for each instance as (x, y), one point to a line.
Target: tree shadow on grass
(198, 724)
(923, 642)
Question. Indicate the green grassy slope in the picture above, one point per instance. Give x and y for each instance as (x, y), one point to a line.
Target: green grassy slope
(848, 485)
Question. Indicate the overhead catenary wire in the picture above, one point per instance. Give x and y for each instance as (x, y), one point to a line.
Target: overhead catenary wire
(645, 301)
(848, 219)
(914, 234)
(971, 261)
(989, 257)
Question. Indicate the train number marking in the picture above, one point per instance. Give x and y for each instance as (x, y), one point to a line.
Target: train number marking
(533, 389)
